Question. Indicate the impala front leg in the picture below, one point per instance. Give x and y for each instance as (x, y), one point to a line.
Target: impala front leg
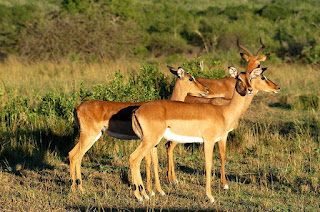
(222, 149)
(171, 172)
(208, 151)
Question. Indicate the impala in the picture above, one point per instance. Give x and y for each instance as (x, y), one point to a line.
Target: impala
(186, 123)
(260, 84)
(95, 117)
(223, 88)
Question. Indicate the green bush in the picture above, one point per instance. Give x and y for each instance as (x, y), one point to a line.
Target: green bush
(235, 12)
(76, 6)
(166, 44)
(274, 12)
(214, 70)
(148, 84)
(311, 54)
(109, 29)
(13, 20)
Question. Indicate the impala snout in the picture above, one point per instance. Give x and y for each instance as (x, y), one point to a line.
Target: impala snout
(250, 91)
(206, 93)
(277, 90)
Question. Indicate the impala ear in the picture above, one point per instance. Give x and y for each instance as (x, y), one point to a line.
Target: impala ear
(233, 71)
(180, 73)
(244, 56)
(263, 57)
(173, 70)
(264, 69)
(255, 73)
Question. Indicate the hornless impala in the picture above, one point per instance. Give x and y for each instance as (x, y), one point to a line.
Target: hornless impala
(220, 88)
(186, 123)
(95, 117)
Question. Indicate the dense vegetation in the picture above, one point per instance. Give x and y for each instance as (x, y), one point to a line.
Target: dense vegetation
(57, 54)
(109, 29)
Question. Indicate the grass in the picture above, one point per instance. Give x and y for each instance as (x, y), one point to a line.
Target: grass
(272, 163)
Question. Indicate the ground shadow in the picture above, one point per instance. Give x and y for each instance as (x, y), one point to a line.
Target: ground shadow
(32, 149)
(281, 105)
(230, 177)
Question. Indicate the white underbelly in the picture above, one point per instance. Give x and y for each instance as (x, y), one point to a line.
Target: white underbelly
(185, 139)
(181, 138)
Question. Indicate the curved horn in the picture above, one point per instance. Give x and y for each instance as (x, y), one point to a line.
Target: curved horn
(262, 46)
(242, 47)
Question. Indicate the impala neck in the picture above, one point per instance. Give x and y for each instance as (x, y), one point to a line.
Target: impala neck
(178, 93)
(248, 101)
(234, 109)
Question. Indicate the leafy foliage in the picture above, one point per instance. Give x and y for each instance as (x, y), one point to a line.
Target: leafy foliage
(109, 29)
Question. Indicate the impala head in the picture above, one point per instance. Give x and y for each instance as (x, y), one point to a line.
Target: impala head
(243, 84)
(253, 60)
(187, 83)
(262, 83)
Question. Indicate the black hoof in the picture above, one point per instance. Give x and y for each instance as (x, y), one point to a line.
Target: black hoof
(140, 187)
(78, 181)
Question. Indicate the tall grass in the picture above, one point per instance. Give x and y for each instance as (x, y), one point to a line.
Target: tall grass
(273, 156)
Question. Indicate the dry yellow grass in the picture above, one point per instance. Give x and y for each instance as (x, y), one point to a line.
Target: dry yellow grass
(272, 164)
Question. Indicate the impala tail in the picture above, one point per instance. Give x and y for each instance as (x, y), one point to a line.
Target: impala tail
(136, 125)
(76, 127)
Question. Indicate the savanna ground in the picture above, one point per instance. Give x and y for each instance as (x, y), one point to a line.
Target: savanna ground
(272, 163)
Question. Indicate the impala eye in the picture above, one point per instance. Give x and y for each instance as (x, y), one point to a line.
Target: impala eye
(263, 78)
(191, 79)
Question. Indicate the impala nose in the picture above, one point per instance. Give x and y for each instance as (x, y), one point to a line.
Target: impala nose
(206, 93)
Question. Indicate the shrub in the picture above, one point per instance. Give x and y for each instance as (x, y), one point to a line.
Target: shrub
(76, 6)
(166, 44)
(148, 84)
(274, 12)
(12, 22)
(235, 12)
(215, 70)
(311, 54)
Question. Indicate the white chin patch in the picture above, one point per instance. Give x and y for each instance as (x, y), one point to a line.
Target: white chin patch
(181, 138)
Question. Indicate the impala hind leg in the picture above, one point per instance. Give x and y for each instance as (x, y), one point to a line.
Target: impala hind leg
(73, 167)
(75, 156)
(222, 149)
(135, 160)
(171, 172)
(208, 151)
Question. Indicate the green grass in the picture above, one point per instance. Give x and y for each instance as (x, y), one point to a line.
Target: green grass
(272, 159)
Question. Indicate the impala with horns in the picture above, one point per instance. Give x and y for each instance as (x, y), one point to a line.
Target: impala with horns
(186, 123)
(223, 88)
(260, 84)
(95, 117)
